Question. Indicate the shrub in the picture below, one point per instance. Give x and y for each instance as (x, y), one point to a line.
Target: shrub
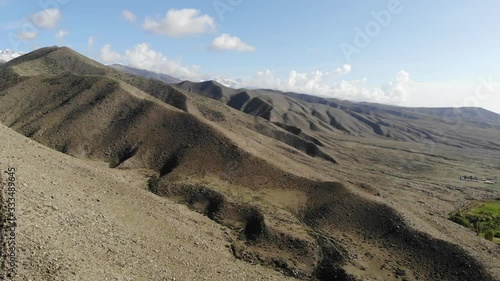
(153, 183)
(489, 234)
(460, 219)
(478, 227)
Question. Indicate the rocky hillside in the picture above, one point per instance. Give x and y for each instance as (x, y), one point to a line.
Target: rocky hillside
(312, 188)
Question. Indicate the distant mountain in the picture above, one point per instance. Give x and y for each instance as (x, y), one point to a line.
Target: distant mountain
(302, 113)
(55, 70)
(145, 73)
(209, 89)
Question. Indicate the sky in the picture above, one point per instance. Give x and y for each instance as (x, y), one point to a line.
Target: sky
(401, 52)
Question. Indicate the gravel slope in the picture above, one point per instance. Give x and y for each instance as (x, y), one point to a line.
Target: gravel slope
(80, 220)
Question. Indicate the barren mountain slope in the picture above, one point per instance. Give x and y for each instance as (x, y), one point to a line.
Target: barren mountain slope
(80, 220)
(305, 114)
(295, 201)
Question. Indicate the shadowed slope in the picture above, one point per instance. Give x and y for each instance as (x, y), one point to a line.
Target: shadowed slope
(326, 116)
(305, 228)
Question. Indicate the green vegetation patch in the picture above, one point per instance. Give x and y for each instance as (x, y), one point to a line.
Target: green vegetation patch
(481, 217)
(487, 207)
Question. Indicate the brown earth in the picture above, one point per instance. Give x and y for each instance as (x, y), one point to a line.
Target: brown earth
(313, 188)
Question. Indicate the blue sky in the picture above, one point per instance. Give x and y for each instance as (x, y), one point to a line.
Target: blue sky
(412, 53)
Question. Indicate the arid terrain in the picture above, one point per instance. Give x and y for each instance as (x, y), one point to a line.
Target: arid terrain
(124, 177)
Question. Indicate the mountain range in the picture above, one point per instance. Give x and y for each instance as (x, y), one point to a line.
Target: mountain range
(312, 188)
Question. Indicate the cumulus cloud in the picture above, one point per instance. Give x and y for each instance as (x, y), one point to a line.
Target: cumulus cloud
(346, 68)
(326, 84)
(107, 55)
(402, 90)
(399, 88)
(61, 33)
(27, 35)
(144, 57)
(231, 43)
(182, 22)
(311, 83)
(129, 16)
(7, 55)
(46, 19)
(266, 80)
(314, 82)
(228, 82)
(361, 90)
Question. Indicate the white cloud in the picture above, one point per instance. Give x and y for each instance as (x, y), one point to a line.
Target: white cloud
(61, 33)
(264, 79)
(7, 55)
(231, 43)
(399, 88)
(402, 90)
(306, 82)
(323, 84)
(129, 16)
(235, 84)
(361, 90)
(180, 23)
(296, 81)
(108, 55)
(46, 19)
(27, 35)
(144, 57)
(314, 83)
(91, 41)
(346, 68)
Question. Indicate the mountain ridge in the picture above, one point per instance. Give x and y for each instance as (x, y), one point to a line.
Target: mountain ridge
(291, 181)
(146, 73)
(310, 113)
